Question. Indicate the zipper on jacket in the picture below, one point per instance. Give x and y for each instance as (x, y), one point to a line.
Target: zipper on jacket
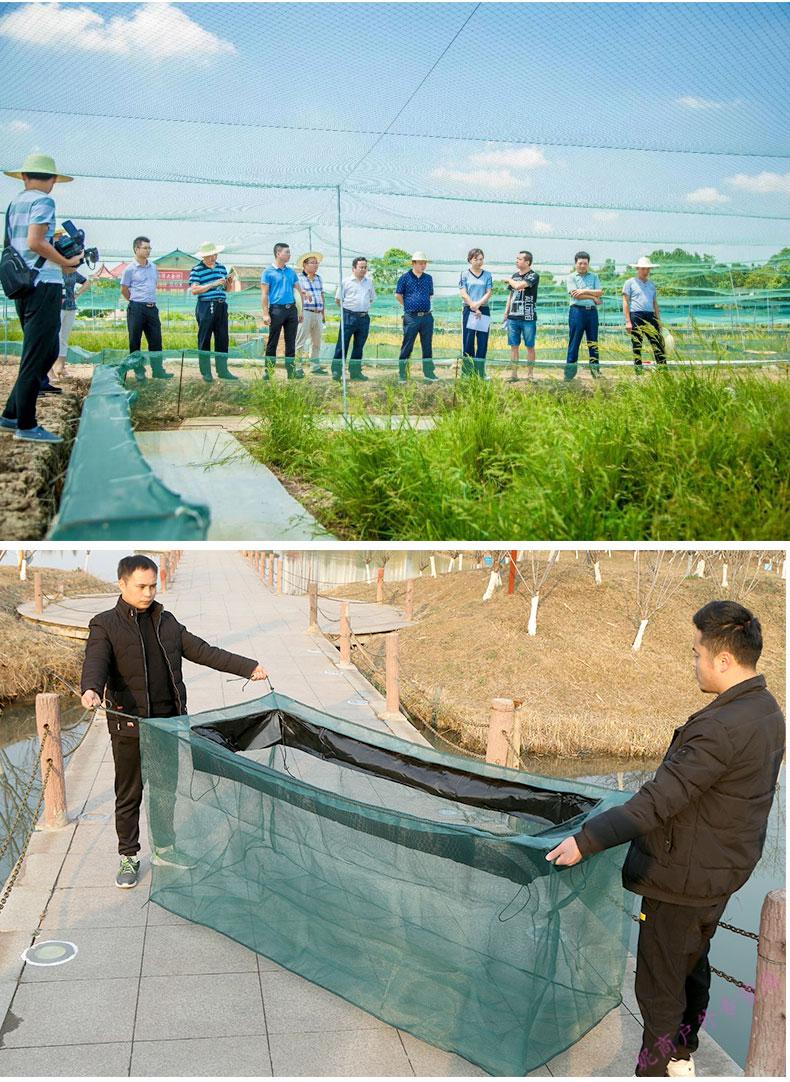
(145, 666)
(169, 667)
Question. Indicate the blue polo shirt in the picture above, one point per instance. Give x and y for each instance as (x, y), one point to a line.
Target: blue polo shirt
(641, 295)
(201, 275)
(140, 280)
(281, 282)
(582, 281)
(416, 292)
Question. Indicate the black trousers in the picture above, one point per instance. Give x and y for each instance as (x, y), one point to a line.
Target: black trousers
(129, 790)
(39, 315)
(285, 318)
(414, 325)
(143, 319)
(212, 320)
(672, 980)
(645, 323)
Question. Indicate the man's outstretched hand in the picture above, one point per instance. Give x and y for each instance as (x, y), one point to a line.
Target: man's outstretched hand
(565, 854)
(259, 673)
(90, 700)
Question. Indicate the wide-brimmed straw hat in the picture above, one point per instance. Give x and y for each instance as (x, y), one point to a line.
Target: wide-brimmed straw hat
(38, 163)
(419, 257)
(643, 261)
(309, 255)
(209, 248)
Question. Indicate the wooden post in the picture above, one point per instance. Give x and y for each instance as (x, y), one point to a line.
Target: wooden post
(345, 638)
(279, 574)
(511, 581)
(409, 609)
(48, 714)
(271, 569)
(392, 673)
(312, 596)
(38, 597)
(767, 1041)
(163, 578)
(262, 567)
(380, 585)
(501, 733)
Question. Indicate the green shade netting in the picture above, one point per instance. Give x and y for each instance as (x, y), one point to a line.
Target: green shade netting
(410, 882)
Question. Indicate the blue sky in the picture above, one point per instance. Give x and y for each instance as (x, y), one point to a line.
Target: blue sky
(620, 126)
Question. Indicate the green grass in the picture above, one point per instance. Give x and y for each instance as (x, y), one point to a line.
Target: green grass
(678, 454)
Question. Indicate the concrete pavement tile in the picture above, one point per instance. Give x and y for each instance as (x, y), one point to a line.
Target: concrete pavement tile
(73, 1061)
(426, 1060)
(181, 949)
(158, 916)
(50, 841)
(100, 837)
(352, 1053)
(97, 907)
(239, 1057)
(266, 965)
(11, 946)
(216, 1005)
(7, 993)
(102, 953)
(73, 1012)
(40, 870)
(610, 1048)
(23, 909)
(711, 1060)
(91, 868)
(294, 1005)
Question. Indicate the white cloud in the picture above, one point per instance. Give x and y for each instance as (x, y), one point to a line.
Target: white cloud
(762, 182)
(707, 195)
(16, 127)
(480, 178)
(542, 228)
(690, 102)
(156, 31)
(605, 215)
(516, 158)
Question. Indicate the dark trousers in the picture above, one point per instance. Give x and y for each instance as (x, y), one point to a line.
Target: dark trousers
(475, 344)
(581, 322)
(356, 327)
(414, 325)
(646, 323)
(672, 980)
(285, 318)
(129, 790)
(39, 315)
(212, 320)
(143, 319)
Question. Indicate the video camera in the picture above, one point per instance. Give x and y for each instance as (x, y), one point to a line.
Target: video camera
(74, 244)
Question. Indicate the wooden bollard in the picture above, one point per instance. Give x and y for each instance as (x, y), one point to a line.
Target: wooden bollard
(279, 574)
(312, 597)
(271, 569)
(502, 734)
(391, 711)
(48, 714)
(163, 579)
(766, 1055)
(409, 608)
(345, 637)
(38, 595)
(511, 579)
(380, 585)
(262, 567)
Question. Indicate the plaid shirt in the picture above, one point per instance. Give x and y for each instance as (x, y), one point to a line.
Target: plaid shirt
(314, 291)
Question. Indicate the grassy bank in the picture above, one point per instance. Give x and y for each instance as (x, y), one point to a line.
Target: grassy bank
(26, 651)
(681, 454)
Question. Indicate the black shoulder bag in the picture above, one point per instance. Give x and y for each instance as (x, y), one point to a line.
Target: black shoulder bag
(16, 278)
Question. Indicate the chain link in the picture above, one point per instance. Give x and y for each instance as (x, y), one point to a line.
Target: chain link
(739, 931)
(18, 866)
(23, 798)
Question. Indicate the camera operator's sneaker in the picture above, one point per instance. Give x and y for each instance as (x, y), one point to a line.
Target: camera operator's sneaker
(169, 856)
(681, 1068)
(7, 425)
(128, 873)
(39, 434)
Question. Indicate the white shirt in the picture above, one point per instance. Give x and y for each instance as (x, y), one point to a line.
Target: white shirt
(357, 296)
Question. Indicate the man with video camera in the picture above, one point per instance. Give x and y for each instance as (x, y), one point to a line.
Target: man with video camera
(30, 229)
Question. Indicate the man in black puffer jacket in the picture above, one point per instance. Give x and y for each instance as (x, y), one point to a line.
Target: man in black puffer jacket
(696, 831)
(134, 651)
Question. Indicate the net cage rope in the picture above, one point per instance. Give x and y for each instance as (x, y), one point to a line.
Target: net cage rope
(409, 881)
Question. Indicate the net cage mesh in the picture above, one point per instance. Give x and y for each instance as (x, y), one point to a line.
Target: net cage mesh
(410, 882)
(410, 126)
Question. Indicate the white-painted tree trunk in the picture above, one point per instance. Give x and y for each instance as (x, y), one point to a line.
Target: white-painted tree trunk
(23, 570)
(451, 565)
(433, 567)
(639, 636)
(493, 581)
(597, 572)
(784, 569)
(87, 557)
(532, 626)
(367, 572)
(460, 561)
(700, 572)
(724, 580)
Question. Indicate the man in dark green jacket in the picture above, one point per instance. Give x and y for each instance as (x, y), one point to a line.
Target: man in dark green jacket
(696, 831)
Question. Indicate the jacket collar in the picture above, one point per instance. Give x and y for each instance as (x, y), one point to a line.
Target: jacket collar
(124, 609)
(743, 688)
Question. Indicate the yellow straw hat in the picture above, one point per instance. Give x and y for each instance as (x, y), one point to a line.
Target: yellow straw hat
(309, 255)
(38, 163)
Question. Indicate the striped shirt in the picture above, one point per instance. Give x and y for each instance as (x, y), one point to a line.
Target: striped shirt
(33, 207)
(314, 292)
(201, 275)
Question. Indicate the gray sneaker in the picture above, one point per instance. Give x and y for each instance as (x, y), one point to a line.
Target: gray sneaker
(168, 855)
(127, 873)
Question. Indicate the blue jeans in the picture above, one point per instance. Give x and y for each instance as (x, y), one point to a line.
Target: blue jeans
(475, 343)
(412, 326)
(581, 322)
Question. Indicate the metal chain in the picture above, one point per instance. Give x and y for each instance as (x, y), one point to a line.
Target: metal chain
(23, 798)
(739, 931)
(732, 980)
(18, 866)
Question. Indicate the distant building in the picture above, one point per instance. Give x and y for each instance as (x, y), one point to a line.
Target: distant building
(246, 277)
(174, 268)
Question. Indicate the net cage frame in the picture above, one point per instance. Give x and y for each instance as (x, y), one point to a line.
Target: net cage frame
(457, 932)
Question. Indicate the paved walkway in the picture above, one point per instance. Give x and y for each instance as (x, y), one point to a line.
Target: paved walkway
(150, 994)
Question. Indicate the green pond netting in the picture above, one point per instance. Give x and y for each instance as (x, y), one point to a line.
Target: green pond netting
(408, 881)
